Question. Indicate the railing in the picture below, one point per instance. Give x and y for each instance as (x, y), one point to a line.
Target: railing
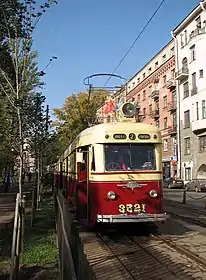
(172, 106)
(182, 72)
(171, 83)
(155, 93)
(72, 260)
(173, 129)
(18, 234)
(196, 32)
(155, 113)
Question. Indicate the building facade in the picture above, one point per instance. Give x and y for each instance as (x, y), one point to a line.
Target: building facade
(190, 52)
(153, 88)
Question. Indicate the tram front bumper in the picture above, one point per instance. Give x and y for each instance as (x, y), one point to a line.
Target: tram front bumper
(124, 218)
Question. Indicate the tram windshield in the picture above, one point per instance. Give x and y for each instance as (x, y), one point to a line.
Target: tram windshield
(130, 156)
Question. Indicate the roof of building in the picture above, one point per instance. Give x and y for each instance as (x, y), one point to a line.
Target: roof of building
(193, 14)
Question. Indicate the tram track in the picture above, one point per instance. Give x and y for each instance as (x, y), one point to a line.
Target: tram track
(199, 218)
(141, 259)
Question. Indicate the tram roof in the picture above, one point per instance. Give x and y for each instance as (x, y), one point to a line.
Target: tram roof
(96, 134)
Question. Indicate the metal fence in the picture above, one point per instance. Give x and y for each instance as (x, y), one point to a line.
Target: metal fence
(73, 263)
(18, 235)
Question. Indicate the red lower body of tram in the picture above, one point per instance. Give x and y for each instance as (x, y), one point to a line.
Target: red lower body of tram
(115, 201)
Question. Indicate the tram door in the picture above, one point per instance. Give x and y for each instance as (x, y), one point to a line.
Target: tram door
(82, 189)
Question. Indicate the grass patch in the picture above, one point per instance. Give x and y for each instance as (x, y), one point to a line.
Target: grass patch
(40, 249)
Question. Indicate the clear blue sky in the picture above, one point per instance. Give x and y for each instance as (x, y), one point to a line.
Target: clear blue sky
(92, 36)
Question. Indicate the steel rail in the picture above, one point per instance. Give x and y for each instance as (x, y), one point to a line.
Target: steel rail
(183, 251)
(117, 256)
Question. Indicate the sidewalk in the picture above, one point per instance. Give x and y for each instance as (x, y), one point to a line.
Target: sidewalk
(7, 205)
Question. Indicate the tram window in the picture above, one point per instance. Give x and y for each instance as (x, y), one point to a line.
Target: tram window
(93, 160)
(130, 157)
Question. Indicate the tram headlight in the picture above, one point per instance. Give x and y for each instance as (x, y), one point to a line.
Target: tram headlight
(153, 193)
(111, 195)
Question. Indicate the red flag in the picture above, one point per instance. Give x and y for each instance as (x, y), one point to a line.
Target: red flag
(109, 107)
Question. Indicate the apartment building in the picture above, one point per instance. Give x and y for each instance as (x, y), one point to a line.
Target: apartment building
(190, 51)
(153, 88)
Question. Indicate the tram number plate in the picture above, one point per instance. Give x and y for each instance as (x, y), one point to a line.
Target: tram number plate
(132, 208)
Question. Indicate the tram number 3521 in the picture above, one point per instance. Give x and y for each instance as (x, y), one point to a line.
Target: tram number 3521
(132, 208)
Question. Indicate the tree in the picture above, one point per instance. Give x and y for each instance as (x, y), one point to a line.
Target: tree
(26, 76)
(76, 114)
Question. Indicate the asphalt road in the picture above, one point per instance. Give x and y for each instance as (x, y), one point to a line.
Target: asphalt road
(192, 198)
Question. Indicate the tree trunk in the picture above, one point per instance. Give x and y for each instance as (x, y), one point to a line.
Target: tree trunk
(21, 163)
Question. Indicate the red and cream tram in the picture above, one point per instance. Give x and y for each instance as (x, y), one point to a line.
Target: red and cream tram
(113, 172)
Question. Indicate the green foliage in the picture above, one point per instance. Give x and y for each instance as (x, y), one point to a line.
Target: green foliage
(19, 77)
(76, 114)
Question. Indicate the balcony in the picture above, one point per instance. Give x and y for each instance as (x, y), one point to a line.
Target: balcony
(171, 83)
(155, 94)
(172, 130)
(196, 32)
(172, 106)
(155, 114)
(193, 91)
(198, 126)
(182, 74)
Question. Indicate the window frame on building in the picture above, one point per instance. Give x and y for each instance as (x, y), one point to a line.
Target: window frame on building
(188, 173)
(202, 144)
(186, 91)
(187, 146)
(187, 119)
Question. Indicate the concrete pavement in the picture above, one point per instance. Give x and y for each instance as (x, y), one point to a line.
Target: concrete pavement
(192, 198)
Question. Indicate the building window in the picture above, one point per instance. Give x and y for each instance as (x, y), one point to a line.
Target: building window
(188, 174)
(150, 109)
(187, 119)
(181, 38)
(184, 64)
(144, 112)
(203, 110)
(165, 145)
(174, 120)
(198, 22)
(192, 53)
(172, 51)
(138, 97)
(133, 84)
(163, 58)
(165, 123)
(187, 146)
(194, 84)
(165, 101)
(144, 95)
(164, 80)
(201, 73)
(197, 111)
(157, 124)
(185, 37)
(150, 70)
(185, 90)
(172, 73)
(138, 80)
(144, 75)
(156, 64)
(202, 141)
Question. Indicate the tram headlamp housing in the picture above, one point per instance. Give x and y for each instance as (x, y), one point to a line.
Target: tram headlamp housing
(111, 195)
(153, 193)
(128, 109)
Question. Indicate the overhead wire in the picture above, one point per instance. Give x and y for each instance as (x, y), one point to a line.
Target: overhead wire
(136, 39)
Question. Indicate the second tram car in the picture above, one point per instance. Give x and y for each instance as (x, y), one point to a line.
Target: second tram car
(113, 172)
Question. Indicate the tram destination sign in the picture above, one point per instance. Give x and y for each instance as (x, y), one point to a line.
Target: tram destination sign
(144, 136)
(120, 136)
